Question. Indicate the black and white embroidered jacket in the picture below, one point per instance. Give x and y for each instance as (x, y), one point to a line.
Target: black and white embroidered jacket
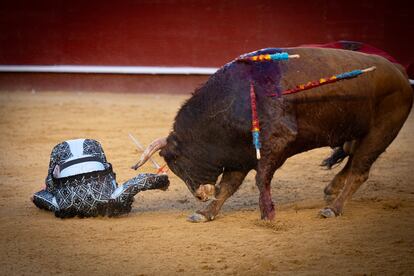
(81, 182)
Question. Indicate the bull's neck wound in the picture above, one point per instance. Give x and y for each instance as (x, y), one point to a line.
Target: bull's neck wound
(263, 77)
(265, 72)
(266, 75)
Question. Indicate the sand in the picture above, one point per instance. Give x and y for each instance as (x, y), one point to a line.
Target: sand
(374, 236)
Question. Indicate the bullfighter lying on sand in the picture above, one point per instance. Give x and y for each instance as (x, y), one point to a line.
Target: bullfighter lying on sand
(80, 182)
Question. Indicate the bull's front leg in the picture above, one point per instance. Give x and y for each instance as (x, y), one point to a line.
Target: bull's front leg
(229, 184)
(277, 139)
(274, 154)
(265, 170)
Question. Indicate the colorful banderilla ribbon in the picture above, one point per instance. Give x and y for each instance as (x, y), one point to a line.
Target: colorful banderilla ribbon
(255, 121)
(268, 57)
(323, 81)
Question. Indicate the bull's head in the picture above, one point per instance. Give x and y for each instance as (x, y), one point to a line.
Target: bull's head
(185, 160)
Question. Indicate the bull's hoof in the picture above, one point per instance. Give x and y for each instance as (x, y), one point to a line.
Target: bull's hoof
(327, 213)
(196, 217)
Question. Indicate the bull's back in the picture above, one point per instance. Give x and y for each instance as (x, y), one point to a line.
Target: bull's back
(345, 110)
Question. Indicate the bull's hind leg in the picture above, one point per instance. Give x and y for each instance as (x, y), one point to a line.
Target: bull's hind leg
(353, 181)
(229, 184)
(335, 186)
(384, 130)
(365, 155)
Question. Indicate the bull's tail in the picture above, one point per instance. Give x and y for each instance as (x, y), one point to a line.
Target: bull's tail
(337, 156)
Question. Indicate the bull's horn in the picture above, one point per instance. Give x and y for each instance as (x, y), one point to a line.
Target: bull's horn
(155, 146)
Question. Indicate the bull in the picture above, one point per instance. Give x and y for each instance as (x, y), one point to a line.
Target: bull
(211, 133)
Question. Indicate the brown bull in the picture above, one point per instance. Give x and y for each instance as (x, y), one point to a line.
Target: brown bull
(211, 134)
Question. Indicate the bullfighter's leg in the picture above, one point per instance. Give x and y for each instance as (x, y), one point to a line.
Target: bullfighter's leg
(229, 184)
(384, 130)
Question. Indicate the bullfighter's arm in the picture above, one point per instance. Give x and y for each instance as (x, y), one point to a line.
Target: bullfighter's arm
(141, 182)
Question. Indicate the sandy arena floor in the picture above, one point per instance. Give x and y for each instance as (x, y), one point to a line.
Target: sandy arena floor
(374, 236)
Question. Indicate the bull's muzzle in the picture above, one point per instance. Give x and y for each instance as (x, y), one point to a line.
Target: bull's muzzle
(205, 192)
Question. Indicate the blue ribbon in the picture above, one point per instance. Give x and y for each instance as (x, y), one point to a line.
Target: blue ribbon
(350, 74)
(256, 141)
(280, 56)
